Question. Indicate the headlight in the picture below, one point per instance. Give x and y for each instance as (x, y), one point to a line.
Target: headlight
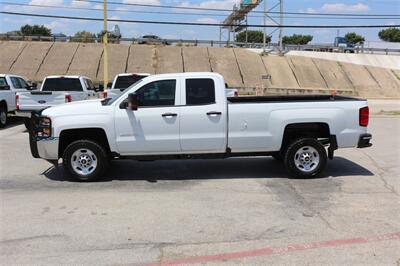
(44, 127)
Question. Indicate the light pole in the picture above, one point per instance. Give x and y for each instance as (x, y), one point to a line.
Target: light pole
(105, 51)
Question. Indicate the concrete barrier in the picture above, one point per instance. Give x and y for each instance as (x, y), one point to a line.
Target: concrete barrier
(195, 59)
(333, 74)
(251, 68)
(57, 60)
(223, 61)
(9, 52)
(86, 60)
(388, 82)
(117, 61)
(282, 75)
(306, 72)
(31, 58)
(141, 59)
(168, 59)
(363, 82)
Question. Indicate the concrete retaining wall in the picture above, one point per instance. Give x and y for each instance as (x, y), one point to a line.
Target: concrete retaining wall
(86, 60)
(30, 60)
(117, 61)
(240, 67)
(57, 60)
(195, 59)
(141, 59)
(9, 53)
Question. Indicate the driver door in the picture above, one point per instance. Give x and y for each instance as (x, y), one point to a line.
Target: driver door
(154, 127)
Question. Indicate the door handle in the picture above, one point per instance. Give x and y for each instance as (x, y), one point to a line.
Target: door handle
(214, 113)
(169, 115)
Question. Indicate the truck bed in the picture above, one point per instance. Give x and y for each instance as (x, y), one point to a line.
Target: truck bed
(290, 98)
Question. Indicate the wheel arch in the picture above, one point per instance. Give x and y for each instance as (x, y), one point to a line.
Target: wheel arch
(68, 136)
(317, 130)
(3, 103)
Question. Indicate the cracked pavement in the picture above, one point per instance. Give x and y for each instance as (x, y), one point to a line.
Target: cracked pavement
(156, 212)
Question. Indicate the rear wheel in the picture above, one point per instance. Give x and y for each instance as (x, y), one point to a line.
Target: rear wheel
(305, 158)
(85, 160)
(3, 116)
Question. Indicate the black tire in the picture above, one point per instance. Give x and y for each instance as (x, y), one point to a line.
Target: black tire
(91, 147)
(277, 156)
(296, 155)
(27, 123)
(3, 116)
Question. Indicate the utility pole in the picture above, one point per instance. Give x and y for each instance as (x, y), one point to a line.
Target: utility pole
(105, 42)
(281, 29)
(265, 28)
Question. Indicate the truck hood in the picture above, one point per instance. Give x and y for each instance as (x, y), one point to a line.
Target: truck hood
(77, 108)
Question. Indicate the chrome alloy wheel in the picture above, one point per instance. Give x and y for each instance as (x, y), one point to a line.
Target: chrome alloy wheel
(306, 159)
(84, 162)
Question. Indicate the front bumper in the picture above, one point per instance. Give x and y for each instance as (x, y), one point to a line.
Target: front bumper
(364, 141)
(42, 147)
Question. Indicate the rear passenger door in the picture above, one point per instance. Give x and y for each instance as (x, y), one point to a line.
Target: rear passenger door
(203, 120)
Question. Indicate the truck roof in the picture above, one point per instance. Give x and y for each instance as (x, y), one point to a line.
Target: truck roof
(12, 75)
(130, 74)
(187, 74)
(67, 76)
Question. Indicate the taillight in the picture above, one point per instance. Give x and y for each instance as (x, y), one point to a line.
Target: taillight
(364, 116)
(105, 94)
(68, 98)
(17, 102)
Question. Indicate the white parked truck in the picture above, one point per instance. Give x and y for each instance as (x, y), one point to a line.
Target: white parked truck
(187, 115)
(55, 90)
(121, 82)
(9, 86)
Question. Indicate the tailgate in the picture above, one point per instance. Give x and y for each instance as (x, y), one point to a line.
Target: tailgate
(39, 100)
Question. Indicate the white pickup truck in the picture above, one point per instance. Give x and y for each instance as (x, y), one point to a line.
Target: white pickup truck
(121, 82)
(187, 115)
(55, 90)
(9, 86)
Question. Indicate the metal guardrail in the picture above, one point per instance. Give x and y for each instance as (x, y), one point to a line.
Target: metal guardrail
(271, 47)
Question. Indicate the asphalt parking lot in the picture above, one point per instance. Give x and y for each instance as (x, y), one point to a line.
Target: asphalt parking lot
(214, 212)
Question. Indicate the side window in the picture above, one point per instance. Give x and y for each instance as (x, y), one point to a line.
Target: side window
(23, 83)
(89, 84)
(157, 93)
(200, 91)
(15, 83)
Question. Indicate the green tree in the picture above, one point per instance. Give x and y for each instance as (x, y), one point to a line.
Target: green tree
(353, 37)
(390, 35)
(253, 36)
(297, 39)
(35, 30)
(84, 36)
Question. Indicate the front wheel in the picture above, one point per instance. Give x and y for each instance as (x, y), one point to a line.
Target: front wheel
(305, 158)
(3, 117)
(85, 160)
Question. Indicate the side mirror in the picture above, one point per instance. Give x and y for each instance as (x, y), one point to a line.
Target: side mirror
(32, 87)
(133, 102)
(100, 88)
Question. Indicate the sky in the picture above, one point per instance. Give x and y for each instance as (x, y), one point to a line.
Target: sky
(69, 27)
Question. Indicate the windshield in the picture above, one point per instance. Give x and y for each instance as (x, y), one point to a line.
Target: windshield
(124, 82)
(110, 101)
(62, 84)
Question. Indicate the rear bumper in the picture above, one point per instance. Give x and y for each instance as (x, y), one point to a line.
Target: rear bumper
(364, 141)
(23, 113)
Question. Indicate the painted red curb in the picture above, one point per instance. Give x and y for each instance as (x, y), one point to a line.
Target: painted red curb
(278, 250)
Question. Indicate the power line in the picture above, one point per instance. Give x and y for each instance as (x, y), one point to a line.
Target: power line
(198, 24)
(181, 13)
(230, 10)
